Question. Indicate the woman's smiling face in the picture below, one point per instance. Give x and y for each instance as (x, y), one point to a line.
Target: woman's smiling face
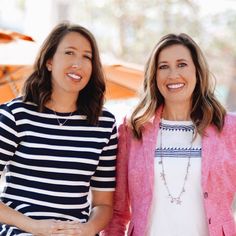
(71, 65)
(176, 74)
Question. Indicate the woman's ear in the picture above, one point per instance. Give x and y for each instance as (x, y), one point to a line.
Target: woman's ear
(49, 64)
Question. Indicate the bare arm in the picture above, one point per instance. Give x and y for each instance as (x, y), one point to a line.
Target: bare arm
(102, 203)
(12, 217)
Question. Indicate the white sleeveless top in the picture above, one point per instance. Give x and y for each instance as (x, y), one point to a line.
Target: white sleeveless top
(187, 218)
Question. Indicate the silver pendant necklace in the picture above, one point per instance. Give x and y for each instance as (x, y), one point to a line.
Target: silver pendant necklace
(58, 120)
(175, 199)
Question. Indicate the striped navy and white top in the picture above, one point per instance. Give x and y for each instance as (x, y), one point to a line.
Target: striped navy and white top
(50, 168)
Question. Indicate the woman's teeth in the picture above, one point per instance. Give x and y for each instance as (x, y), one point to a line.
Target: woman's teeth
(175, 86)
(74, 76)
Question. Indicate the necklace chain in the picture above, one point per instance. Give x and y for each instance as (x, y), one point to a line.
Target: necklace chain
(58, 120)
(175, 199)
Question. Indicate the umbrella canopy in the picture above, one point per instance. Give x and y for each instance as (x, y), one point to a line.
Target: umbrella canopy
(122, 81)
(17, 52)
(7, 36)
(17, 48)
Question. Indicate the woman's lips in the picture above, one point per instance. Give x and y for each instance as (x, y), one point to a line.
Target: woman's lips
(175, 86)
(74, 76)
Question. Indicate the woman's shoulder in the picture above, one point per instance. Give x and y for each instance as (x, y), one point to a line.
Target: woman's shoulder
(8, 108)
(107, 113)
(9, 105)
(107, 117)
(230, 119)
(229, 124)
(125, 128)
(16, 103)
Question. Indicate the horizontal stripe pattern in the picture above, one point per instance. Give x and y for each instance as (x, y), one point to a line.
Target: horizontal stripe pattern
(51, 168)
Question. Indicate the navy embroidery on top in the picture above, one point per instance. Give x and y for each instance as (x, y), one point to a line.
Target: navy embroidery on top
(178, 152)
(177, 127)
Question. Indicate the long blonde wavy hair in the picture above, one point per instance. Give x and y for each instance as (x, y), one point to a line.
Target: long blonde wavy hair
(205, 110)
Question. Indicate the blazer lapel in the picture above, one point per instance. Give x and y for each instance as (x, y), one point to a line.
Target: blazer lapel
(209, 146)
(149, 144)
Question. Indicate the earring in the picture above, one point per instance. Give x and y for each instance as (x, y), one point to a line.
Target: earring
(49, 68)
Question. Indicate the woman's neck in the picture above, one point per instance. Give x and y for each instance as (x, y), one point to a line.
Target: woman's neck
(62, 104)
(178, 113)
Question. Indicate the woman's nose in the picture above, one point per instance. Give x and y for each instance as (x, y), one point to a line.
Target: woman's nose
(173, 74)
(75, 66)
(77, 63)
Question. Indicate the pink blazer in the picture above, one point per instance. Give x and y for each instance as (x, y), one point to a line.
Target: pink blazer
(135, 178)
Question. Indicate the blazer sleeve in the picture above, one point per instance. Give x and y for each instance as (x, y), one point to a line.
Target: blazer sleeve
(121, 212)
(229, 138)
(231, 161)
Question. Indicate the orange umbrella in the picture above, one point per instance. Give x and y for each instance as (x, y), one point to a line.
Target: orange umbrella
(16, 51)
(7, 36)
(16, 48)
(122, 81)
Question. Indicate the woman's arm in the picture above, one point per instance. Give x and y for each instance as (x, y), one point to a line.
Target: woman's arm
(12, 217)
(102, 208)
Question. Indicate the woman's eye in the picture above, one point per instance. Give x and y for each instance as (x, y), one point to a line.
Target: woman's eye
(182, 64)
(88, 57)
(161, 67)
(69, 53)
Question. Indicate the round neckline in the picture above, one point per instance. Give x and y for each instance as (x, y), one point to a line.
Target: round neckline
(60, 113)
(176, 122)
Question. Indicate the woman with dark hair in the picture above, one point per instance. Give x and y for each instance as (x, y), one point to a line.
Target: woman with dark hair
(176, 161)
(58, 143)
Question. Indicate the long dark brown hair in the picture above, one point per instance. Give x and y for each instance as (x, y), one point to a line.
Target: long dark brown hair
(205, 110)
(38, 86)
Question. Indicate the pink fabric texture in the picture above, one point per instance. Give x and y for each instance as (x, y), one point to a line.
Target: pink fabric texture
(135, 178)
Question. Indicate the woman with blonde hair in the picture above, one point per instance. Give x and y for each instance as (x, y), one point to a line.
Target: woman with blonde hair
(176, 163)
